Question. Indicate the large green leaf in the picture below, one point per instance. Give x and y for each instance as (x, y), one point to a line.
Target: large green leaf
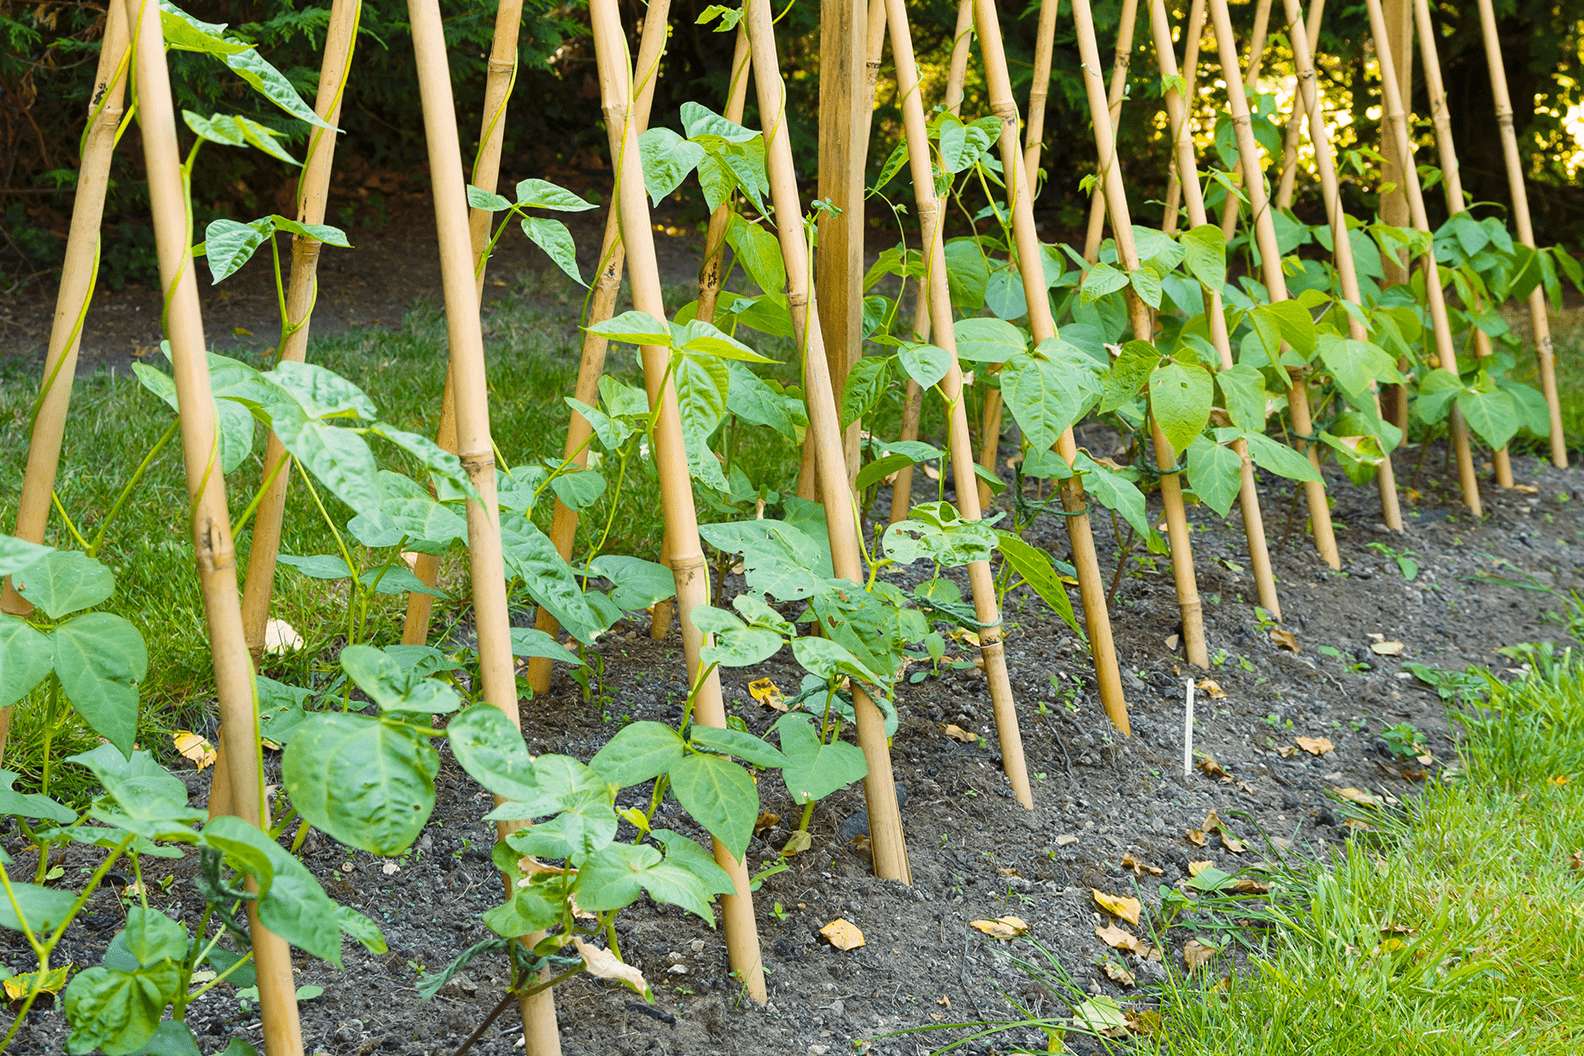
(981, 340)
(43, 908)
(640, 751)
(1492, 415)
(759, 252)
(492, 751)
(532, 558)
(100, 658)
(63, 582)
(1049, 392)
(552, 236)
(814, 770)
(117, 1012)
(734, 643)
(720, 795)
(1215, 473)
(1276, 457)
(667, 160)
(1034, 565)
(1243, 394)
(17, 554)
(30, 804)
(1204, 255)
(364, 781)
(635, 583)
(26, 656)
(394, 687)
(1180, 399)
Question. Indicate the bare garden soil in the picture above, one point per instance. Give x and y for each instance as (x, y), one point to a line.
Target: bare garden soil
(975, 853)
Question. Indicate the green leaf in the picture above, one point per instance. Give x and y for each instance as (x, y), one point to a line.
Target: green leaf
(667, 160)
(1285, 321)
(1215, 473)
(269, 82)
(532, 558)
(983, 340)
(26, 656)
(1128, 373)
(744, 746)
(1034, 565)
(640, 751)
(925, 364)
(18, 554)
(542, 194)
(1050, 391)
(1356, 365)
(610, 878)
(814, 770)
(578, 489)
(720, 795)
(365, 782)
(530, 641)
(229, 244)
(488, 201)
(634, 328)
(636, 583)
(967, 274)
(116, 1012)
(1180, 399)
(42, 907)
(1204, 255)
(734, 643)
(1115, 492)
(828, 659)
(148, 938)
(867, 381)
(936, 532)
(1100, 280)
(492, 751)
(1276, 457)
(1243, 393)
(529, 910)
(291, 902)
(1492, 415)
(552, 236)
(100, 659)
(1438, 389)
(63, 582)
(233, 130)
(30, 804)
(340, 459)
(699, 338)
(778, 559)
(153, 802)
(759, 252)
(394, 687)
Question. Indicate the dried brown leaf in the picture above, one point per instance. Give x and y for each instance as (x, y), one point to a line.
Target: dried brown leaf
(1197, 954)
(842, 934)
(1124, 906)
(1387, 648)
(957, 733)
(603, 964)
(1210, 688)
(1285, 639)
(1118, 973)
(1315, 745)
(1361, 797)
(1139, 867)
(1008, 927)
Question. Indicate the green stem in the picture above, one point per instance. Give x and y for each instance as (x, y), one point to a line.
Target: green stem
(131, 485)
(258, 497)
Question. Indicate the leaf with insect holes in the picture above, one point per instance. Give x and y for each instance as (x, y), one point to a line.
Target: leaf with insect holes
(1118, 905)
(1180, 399)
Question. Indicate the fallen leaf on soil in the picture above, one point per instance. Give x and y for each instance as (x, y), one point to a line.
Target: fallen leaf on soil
(1066, 839)
(797, 843)
(1315, 745)
(957, 733)
(1232, 843)
(1359, 824)
(1210, 688)
(281, 638)
(1212, 767)
(1102, 1015)
(1247, 885)
(195, 748)
(1007, 870)
(1007, 927)
(1286, 751)
(1361, 797)
(1118, 973)
(1196, 837)
(943, 1001)
(766, 692)
(1171, 642)
(1199, 866)
(1119, 938)
(1145, 1021)
(842, 934)
(18, 986)
(390, 868)
(1139, 867)
(1391, 648)
(603, 964)
(1196, 954)
(1118, 905)
(768, 819)
(1285, 639)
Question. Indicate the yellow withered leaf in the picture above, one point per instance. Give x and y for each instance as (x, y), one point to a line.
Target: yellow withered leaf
(1315, 745)
(1117, 972)
(195, 748)
(1212, 767)
(1119, 938)
(797, 843)
(1008, 927)
(1118, 905)
(1196, 837)
(17, 987)
(842, 934)
(1199, 866)
(603, 964)
(957, 733)
(1210, 688)
(1285, 639)
(1196, 954)
(1361, 797)
(1139, 867)
(1387, 648)
(764, 691)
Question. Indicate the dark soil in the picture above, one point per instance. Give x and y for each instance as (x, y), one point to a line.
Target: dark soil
(974, 853)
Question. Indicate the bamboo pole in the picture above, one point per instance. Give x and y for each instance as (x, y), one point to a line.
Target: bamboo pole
(934, 289)
(1193, 36)
(888, 846)
(470, 406)
(1289, 159)
(1271, 269)
(681, 547)
(499, 77)
(1256, 62)
(1445, 353)
(1393, 204)
(1113, 110)
(1031, 267)
(210, 522)
(1451, 179)
(79, 271)
(1309, 100)
(1039, 87)
(1215, 315)
(913, 397)
(1143, 326)
(1539, 315)
(591, 364)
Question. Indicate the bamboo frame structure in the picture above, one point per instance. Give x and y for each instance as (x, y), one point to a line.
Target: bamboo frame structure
(499, 77)
(1539, 314)
(1187, 166)
(1193, 37)
(210, 521)
(1287, 185)
(1271, 270)
(1445, 353)
(681, 548)
(1393, 202)
(1451, 179)
(1114, 94)
(1189, 607)
(1308, 99)
(470, 407)
(888, 846)
(79, 272)
(1249, 74)
(936, 295)
(591, 361)
(1031, 267)
(1039, 87)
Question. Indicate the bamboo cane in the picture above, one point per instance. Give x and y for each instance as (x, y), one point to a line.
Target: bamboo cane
(1445, 354)
(889, 848)
(1393, 205)
(1215, 315)
(79, 271)
(211, 526)
(1289, 159)
(1451, 179)
(937, 296)
(682, 547)
(1143, 326)
(1342, 246)
(1031, 267)
(591, 364)
(1113, 110)
(1271, 269)
(498, 79)
(1539, 314)
(1039, 87)
(1193, 36)
(913, 397)
(1256, 61)
(470, 407)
